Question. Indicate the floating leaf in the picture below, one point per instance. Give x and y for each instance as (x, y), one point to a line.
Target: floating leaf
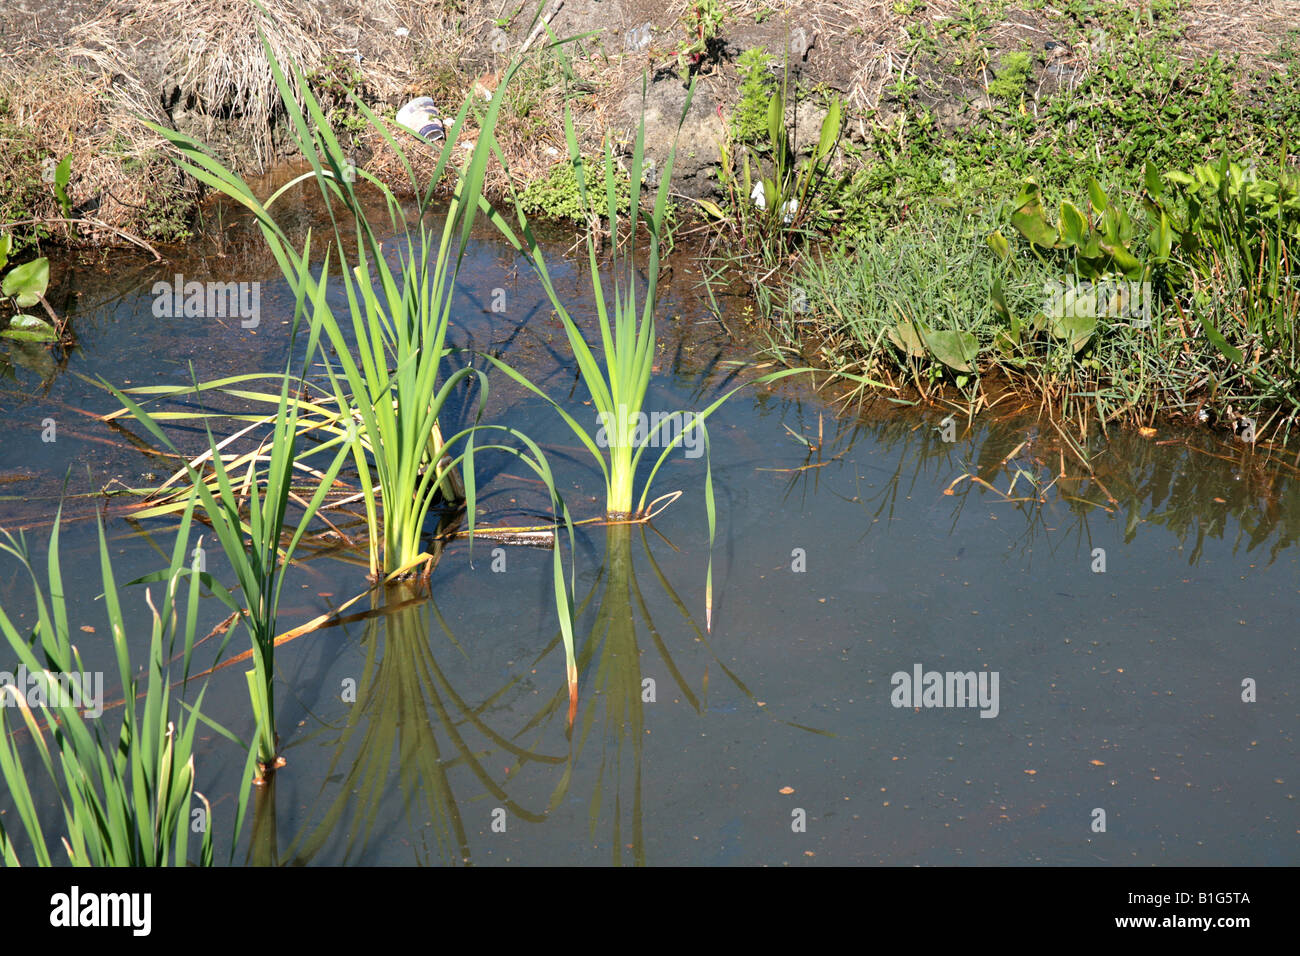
(28, 328)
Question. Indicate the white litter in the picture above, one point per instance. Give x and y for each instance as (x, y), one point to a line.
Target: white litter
(788, 208)
(421, 116)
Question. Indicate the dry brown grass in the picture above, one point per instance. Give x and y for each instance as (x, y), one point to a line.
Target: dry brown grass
(1252, 28)
(85, 93)
(116, 164)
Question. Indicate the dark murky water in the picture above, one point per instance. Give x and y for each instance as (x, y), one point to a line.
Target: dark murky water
(834, 569)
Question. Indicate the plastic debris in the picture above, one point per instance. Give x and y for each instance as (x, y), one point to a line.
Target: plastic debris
(799, 43)
(421, 116)
(638, 40)
(788, 209)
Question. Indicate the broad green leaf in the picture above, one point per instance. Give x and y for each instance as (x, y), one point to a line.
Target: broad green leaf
(1216, 338)
(775, 120)
(1127, 262)
(29, 328)
(1029, 218)
(1077, 328)
(1073, 224)
(27, 282)
(1096, 195)
(998, 243)
(1000, 301)
(1074, 317)
(957, 350)
(711, 208)
(1007, 341)
(61, 177)
(1162, 238)
(906, 340)
(1155, 188)
(830, 129)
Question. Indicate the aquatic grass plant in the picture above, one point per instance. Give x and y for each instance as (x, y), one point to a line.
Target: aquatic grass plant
(616, 370)
(126, 793)
(249, 518)
(397, 320)
(619, 379)
(386, 387)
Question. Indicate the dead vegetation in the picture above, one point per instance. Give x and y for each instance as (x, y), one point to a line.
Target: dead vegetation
(198, 66)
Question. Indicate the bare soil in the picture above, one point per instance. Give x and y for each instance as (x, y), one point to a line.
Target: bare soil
(81, 75)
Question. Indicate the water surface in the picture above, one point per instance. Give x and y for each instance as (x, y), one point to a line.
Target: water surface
(859, 549)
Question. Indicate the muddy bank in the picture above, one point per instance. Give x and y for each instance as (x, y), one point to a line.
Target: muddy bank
(81, 76)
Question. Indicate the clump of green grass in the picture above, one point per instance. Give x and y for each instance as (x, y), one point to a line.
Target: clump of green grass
(386, 384)
(617, 370)
(126, 794)
(1011, 77)
(912, 305)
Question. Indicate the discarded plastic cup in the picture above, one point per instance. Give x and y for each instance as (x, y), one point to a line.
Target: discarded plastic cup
(421, 116)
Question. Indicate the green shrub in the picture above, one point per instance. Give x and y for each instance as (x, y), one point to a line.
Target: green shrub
(558, 196)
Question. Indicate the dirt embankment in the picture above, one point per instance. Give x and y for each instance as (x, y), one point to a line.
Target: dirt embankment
(79, 77)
